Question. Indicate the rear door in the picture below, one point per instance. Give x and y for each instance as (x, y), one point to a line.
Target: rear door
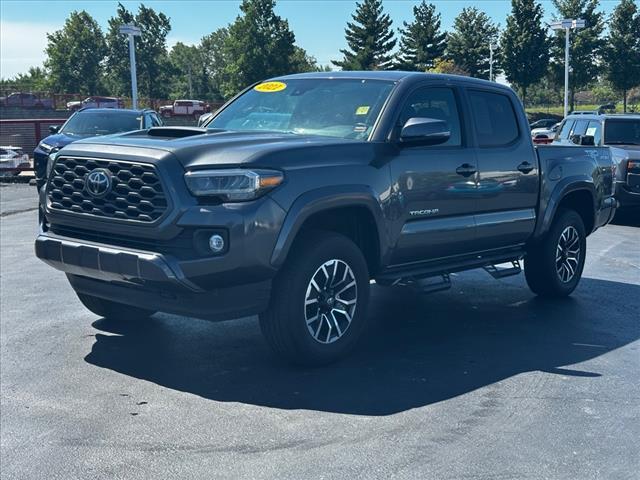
(507, 192)
(435, 185)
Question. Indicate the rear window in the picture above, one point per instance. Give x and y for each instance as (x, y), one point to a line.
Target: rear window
(494, 118)
(622, 131)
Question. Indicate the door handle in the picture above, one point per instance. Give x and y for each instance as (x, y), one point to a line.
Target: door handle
(466, 170)
(525, 167)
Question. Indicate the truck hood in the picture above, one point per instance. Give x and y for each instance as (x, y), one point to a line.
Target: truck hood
(220, 148)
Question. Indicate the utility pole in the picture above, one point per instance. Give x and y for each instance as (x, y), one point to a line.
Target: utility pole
(132, 31)
(567, 25)
(491, 46)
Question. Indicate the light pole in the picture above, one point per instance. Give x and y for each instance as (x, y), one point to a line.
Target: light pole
(132, 31)
(567, 25)
(491, 47)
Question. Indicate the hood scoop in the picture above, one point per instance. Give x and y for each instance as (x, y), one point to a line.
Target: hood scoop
(175, 132)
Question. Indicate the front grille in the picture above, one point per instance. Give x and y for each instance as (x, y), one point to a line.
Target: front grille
(136, 191)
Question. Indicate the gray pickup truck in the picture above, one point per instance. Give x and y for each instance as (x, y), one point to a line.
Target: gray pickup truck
(302, 189)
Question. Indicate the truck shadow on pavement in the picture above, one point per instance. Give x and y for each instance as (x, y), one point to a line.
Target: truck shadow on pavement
(419, 350)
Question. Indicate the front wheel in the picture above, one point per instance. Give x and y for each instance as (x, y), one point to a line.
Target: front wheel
(112, 310)
(553, 267)
(318, 308)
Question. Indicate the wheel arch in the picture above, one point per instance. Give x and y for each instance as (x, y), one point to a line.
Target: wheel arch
(351, 210)
(578, 195)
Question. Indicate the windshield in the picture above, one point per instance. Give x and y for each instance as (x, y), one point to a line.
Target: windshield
(101, 123)
(622, 132)
(331, 107)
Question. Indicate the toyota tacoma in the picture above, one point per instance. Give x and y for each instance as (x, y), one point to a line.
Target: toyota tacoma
(303, 188)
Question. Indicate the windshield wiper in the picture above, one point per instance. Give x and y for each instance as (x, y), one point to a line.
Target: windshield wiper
(622, 143)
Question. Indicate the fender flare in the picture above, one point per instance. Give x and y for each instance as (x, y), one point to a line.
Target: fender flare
(560, 191)
(322, 199)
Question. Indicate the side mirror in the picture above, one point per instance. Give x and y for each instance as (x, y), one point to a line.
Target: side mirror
(54, 128)
(424, 131)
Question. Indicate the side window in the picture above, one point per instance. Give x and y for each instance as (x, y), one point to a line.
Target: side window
(494, 118)
(155, 121)
(565, 129)
(580, 127)
(594, 129)
(437, 103)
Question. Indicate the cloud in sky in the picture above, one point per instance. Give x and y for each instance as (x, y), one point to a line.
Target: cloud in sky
(22, 46)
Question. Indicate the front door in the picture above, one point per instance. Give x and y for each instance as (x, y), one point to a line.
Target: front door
(434, 185)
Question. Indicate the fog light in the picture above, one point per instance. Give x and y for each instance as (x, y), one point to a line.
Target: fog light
(216, 243)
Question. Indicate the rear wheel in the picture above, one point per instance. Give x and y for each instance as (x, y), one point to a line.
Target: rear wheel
(553, 268)
(319, 301)
(113, 310)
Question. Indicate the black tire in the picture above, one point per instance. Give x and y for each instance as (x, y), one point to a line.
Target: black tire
(285, 324)
(542, 269)
(112, 310)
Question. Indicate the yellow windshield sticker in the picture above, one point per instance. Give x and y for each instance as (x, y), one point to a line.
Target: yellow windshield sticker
(363, 110)
(270, 87)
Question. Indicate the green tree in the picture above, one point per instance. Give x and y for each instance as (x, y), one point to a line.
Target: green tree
(189, 77)
(212, 48)
(259, 45)
(623, 48)
(468, 43)
(118, 75)
(446, 66)
(302, 62)
(524, 45)
(421, 41)
(36, 80)
(75, 54)
(153, 65)
(370, 39)
(586, 48)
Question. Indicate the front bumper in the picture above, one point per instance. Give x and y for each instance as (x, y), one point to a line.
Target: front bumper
(147, 280)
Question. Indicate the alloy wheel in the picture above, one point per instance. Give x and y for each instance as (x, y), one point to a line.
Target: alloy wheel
(330, 301)
(568, 254)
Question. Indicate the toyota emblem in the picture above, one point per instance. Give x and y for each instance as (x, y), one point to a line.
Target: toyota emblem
(98, 182)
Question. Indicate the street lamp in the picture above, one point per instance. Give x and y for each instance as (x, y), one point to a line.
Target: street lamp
(132, 31)
(567, 25)
(491, 47)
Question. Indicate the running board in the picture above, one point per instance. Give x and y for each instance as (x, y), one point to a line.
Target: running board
(425, 285)
(497, 273)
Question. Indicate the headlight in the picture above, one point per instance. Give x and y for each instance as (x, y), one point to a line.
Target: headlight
(232, 184)
(51, 160)
(45, 147)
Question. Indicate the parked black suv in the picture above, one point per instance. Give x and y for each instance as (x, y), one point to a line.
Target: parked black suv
(303, 188)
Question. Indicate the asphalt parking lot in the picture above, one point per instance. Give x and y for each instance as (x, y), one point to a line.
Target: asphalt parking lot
(483, 381)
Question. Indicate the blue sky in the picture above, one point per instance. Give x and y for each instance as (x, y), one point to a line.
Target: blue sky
(318, 25)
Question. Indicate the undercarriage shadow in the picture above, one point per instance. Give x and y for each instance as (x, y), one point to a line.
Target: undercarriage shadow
(419, 350)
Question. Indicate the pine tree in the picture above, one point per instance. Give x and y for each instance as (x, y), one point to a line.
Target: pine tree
(524, 45)
(259, 45)
(369, 38)
(623, 48)
(422, 42)
(586, 48)
(468, 43)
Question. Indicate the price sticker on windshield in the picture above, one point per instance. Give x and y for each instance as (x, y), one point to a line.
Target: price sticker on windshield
(363, 110)
(270, 87)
